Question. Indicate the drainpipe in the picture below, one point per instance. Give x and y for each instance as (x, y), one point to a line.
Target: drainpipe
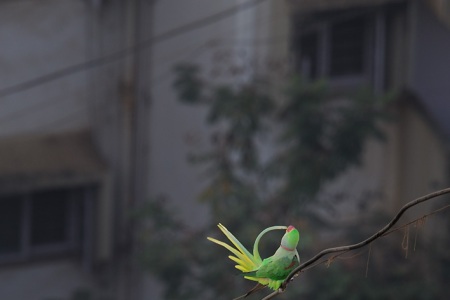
(135, 101)
(127, 281)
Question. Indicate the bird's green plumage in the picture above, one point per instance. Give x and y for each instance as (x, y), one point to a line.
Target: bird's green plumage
(271, 271)
(276, 268)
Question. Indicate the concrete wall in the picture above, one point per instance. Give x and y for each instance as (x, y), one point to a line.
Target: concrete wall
(415, 154)
(416, 159)
(32, 47)
(418, 151)
(413, 159)
(431, 64)
(176, 129)
(38, 38)
(45, 47)
(55, 280)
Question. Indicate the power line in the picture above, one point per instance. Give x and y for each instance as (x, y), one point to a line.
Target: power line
(49, 102)
(90, 64)
(163, 76)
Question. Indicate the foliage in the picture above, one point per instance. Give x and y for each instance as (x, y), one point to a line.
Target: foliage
(324, 135)
(313, 136)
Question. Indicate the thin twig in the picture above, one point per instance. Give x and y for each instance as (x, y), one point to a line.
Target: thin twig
(361, 244)
(368, 259)
(420, 220)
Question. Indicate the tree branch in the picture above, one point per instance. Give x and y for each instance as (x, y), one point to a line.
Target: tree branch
(361, 244)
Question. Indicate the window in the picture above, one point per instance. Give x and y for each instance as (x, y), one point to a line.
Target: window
(348, 48)
(11, 209)
(345, 49)
(309, 64)
(49, 218)
(41, 223)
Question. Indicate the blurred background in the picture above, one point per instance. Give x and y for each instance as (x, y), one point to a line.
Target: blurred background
(129, 129)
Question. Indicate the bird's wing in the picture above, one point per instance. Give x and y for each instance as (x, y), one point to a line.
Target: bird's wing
(277, 269)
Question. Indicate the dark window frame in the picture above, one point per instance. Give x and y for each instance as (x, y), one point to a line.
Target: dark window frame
(373, 48)
(78, 205)
(348, 41)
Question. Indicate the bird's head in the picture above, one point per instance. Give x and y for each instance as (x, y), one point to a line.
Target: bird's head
(290, 238)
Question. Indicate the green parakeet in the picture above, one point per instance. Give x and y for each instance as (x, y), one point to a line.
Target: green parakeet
(271, 271)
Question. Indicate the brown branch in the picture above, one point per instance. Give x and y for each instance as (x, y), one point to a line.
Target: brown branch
(361, 244)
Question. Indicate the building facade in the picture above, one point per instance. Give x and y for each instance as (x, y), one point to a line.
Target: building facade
(90, 127)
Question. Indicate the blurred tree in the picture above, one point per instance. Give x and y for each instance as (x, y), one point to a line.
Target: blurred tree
(317, 137)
